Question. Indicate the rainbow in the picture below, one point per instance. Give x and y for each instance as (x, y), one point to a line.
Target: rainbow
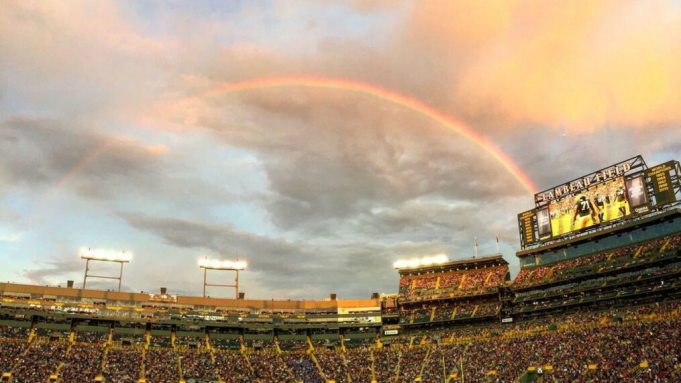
(89, 158)
(348, 86)
(389, 96)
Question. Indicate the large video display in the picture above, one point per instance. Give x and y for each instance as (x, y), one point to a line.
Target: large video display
(600, 203)
(625, 189)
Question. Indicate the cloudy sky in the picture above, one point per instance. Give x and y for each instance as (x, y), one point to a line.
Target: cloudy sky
(121, 127)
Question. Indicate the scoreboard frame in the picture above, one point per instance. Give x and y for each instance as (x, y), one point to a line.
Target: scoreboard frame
(661, 186)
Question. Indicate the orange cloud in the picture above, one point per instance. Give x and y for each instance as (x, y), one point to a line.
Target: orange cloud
(577, 65)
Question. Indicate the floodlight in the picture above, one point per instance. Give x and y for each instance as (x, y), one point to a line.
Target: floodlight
(222, 265)
(215, 264)
(105, 255)
(100, 255)
(425, 261)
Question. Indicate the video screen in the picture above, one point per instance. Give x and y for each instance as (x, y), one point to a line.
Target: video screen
(543, 224)
(600, 203)
(636, 192)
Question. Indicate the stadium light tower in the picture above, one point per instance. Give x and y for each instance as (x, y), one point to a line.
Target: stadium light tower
(214, 264)
(88, 255)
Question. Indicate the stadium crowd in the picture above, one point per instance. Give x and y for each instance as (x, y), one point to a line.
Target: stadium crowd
(386, 361)
(91, 337)
(603, 261)
(83, 363)
(641, 342)
(333, 366)
(11, 332)
(359, 364)
(10, 350)
(452, 284)
(293, 345)
(225, 344)
(233, 367)
(123, 365)
(304, 368)
(41, 361)
(411, 361)
(198, 367)
(161, 366)
(269, 367)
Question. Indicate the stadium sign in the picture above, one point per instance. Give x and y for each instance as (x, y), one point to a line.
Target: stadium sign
(582, 183)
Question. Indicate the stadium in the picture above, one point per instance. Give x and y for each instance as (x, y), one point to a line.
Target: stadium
(597, 303)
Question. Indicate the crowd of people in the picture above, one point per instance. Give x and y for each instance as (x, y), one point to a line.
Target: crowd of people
(385, 364)
(233, 367)
(13, 332)
(325, 344)
(137, 339)
(304, 368)
(293, 345)
(410, 363)
(41, 361)
(10, 350)
(91, 337)
(439, 311)
(270, 367)
(360, 367)
(358, 343)
(161, 366)
(602, 261)
(198, 367)
(123, 365)
(616, 352)
(161, 341)
(637, 344)
(193, 341)
(451, 284)
(225, 343)
(441, 362)
(83, 363)
(333, 366)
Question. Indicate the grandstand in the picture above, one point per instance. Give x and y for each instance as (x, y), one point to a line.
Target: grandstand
(600, 305)
(462, 291)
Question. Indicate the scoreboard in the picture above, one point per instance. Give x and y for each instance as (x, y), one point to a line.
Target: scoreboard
(526, 224)
(618, 192)
(660, 177)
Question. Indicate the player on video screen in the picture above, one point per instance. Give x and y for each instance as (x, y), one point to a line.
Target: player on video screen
(600, 206)
(584, 210)
(620, 201)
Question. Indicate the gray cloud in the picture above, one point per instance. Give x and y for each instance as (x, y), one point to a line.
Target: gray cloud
(45, 153)
(330, 161)
(303, 268)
